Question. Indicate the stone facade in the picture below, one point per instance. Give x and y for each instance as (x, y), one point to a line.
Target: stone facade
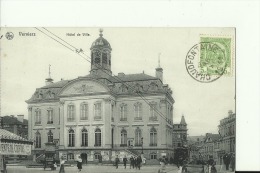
(99, 116)
(180, 134)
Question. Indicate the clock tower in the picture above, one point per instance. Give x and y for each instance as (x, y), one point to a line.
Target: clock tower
(100, 56)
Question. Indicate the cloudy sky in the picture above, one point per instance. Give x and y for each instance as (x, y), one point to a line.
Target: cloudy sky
(25, 61)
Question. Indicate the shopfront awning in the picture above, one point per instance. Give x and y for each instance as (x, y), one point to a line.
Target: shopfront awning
(12, 144)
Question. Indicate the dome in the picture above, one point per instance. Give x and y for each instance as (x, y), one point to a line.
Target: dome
(100, 42)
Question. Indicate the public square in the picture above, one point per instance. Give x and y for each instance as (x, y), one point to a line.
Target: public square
(105, 169)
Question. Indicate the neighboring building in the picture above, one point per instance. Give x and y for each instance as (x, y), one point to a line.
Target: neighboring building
(179, 133)
(195, 144)
(17, 125)
(227, 131)
(98, 116)
(210, 145)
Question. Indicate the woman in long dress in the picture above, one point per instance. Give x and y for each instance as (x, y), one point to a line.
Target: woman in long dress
(79, 164)
(62, 162)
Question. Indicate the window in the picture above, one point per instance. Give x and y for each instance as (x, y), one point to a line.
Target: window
(71, 156)
(123, 88)
(138, 111)
(71, 138)
(84, 111)
(138, 141)
(50, 116)
(153, 115)
(71, 112)
(123, 137)
(84, 138)
(104, 58)
(153, 137)
(97, 155)
(123, 112)
(97, 137)
(38, 116)
(153, 156)
(97, 109)
(50, 136)
(37, 140)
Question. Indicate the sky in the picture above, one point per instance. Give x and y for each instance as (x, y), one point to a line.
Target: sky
(25, 63)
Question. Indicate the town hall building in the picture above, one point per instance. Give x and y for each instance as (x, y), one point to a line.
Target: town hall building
(99, 116)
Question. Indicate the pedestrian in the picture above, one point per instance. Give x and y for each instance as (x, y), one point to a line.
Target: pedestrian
(62, 162)
(163, 162)
(132, 162)
(210, 164)
(135, 162)
(232, 162)
(171, 160)
(79, 163)
(139, 161)
(226, 160)
(144, 160)
(117, 161)
(124, 161)
(180, 164)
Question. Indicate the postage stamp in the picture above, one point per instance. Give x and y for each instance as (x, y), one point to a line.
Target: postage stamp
(215, 55)
(210, 59)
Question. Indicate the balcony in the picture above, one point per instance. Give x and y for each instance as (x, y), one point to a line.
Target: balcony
(50, 122)
(123, 145)
(138, 145)
(153, 118)
(123, 119)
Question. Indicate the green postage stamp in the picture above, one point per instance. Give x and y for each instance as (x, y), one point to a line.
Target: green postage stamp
(215, 55)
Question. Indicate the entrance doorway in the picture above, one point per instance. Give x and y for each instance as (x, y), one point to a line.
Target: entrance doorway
(84, 158)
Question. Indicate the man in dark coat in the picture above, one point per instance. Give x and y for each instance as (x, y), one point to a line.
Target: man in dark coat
(135, 162)
(132, 164)
(139, 161)
(226, 160)
(232, 162)
(124, 161)
(117, 161)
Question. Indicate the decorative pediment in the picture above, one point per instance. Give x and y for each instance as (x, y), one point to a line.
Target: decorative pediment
(81, 87)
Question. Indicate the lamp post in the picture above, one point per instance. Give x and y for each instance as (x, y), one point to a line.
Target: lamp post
(142, 144)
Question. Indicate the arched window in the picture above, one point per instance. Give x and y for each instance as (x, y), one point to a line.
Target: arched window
(97, 137)
(84, 138)
(138, 136)
(37, 116)
(71, 138)
(104, 58)
(138, 111)
(50, 136)
(123, 137)
(84, 111)
(37, 140)
(123, 112)
(153, 137)
(71, 112)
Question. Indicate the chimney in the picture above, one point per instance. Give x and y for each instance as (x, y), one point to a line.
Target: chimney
(121, 74)
(49, 80)
(20, 118)
(159, 70)
(230, 112)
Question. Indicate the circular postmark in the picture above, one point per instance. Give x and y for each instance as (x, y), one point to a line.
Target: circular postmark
(9, 35)
(206, 62)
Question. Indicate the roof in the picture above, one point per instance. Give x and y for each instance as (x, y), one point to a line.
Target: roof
(212, 137)
(6, 136)
(58, 84)
(135, 77)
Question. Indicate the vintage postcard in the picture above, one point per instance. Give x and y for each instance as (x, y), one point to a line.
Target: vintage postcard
(118, 99)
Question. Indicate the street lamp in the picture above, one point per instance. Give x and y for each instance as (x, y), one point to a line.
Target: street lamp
(142, 144)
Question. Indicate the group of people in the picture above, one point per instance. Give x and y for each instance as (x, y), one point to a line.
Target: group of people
(135, 162)
(62, 162)
(229, 160)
